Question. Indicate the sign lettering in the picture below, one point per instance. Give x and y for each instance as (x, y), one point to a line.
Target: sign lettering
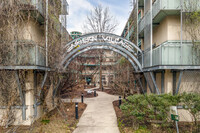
(100, 38)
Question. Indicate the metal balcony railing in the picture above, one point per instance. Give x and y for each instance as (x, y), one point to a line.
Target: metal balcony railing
(165, 5)
(65, 7)
(157, 7)
(141, 24)
(22, 53)
(169, 7)
(37, 4)
(173, 53)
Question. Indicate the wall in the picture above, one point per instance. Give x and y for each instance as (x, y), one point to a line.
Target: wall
(29, 102)
(174, 28)
(169, 29)
(31, 30)
(158, 81)
(168, 81)
(160, 32)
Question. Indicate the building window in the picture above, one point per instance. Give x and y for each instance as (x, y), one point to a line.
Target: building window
(111, 77)
(139, 15)
(103, 77)
(139, 43)
(92, 68)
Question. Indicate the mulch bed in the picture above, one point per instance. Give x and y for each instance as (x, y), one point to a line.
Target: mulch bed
(59, 120)
(127, 127)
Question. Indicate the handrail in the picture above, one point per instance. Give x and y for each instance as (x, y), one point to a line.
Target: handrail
(21, 49)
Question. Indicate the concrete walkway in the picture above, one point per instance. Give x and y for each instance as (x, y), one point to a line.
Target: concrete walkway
(99, 116)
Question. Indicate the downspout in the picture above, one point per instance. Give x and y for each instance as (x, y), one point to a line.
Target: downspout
(151, 58)
(46, 41)
(181, 30)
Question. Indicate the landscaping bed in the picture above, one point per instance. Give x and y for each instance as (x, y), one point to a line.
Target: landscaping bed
(135, 115)
(59, 120)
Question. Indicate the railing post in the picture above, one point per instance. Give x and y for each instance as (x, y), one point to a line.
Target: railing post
(120, 101)
(142, 60)
(95, 93)
(82, 97)
(76, 110)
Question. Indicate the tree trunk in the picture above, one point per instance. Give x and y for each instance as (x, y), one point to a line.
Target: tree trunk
(100, 71)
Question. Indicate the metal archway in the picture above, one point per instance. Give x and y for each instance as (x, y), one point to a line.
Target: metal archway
(103, 44)
(103, 37)
(101, 47)
(105, 41)
(108, 41)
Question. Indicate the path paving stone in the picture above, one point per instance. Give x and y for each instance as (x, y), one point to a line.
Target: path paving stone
(99, 116)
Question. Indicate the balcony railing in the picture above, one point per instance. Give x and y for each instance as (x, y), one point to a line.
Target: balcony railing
(141, 25)
(165, 5)
(36, 4)
(173, 53)
(103, 64)
(170, 7)
(23, 53)
(65, 7)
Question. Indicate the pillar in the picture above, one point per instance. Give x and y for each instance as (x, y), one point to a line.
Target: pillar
(29, 96)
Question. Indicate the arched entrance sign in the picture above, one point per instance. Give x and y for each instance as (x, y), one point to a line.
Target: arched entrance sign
(101, 47)
(111, 42)
(103, 41)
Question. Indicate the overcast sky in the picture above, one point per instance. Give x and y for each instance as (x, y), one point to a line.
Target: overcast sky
(78, 10)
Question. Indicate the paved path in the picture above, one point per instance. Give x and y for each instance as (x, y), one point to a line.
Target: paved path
(99, 116)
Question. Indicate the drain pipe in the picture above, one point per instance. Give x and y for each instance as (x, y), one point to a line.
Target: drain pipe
(46, 41)
(181, 32)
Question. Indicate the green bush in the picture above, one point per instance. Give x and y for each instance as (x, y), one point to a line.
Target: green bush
(136, 106)
(148, 108)
(191, 102)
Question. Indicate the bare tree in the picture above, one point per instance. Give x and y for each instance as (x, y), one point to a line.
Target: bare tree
(100, 20)
(191, 19)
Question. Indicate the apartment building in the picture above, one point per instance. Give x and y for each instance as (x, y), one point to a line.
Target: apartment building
(168, 36)
(91, 63)
(75, 34)
(32, 33)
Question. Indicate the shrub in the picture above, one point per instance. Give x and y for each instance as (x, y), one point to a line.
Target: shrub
(191, 102)
(148, 108)
(136, 106)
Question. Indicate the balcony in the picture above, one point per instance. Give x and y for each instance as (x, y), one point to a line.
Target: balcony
(34, 5)
(22, 53)
(172, 53)
(161, 9)
(103, 64)
(129, 32)
(65, 8)
(141, 25)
